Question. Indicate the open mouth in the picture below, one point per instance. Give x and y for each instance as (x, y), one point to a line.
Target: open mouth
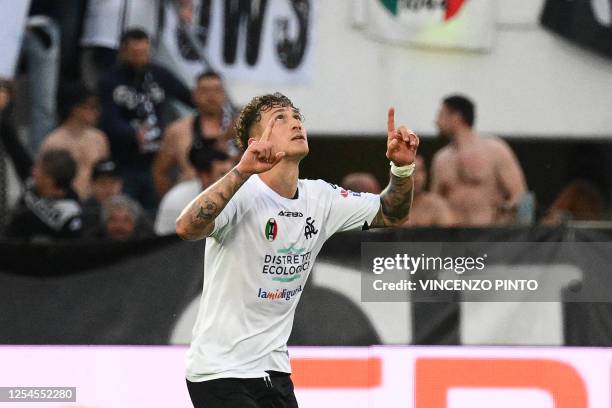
(298, 137)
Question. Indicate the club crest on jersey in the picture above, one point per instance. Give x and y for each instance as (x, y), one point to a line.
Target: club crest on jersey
(309, 229)
(271, 229)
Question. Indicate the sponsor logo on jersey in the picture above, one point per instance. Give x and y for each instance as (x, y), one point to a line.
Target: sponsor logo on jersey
(278, 294)
(291, 250)
(295, 214)
(271, 230)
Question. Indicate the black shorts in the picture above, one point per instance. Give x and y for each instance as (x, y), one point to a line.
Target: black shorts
(275, 391)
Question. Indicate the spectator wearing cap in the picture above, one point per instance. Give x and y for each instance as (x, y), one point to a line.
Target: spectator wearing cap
(78, 110)
(211, 126)
(105, 183)
(210, 165)
(123, 220)
(49, 208)
(134, 96)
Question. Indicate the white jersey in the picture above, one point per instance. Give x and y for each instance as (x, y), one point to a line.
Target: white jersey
(257, 261)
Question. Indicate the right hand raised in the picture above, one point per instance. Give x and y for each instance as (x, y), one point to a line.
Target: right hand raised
(260, 156)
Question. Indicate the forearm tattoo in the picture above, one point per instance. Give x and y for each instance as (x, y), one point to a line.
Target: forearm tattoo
(203, 211)
(395, 202)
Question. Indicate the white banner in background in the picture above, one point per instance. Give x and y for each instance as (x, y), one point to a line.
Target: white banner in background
(248, 40)
(462, 24)
(12, 25)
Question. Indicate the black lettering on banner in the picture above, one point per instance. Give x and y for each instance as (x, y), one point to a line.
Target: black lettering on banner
(237, 14)
(291, 52)
(201, 27)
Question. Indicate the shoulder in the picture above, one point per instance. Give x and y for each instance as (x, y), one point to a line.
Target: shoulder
(442, 156)
(55, 139)
(494, 143)
(95, 135)
(319, 186)
(184, 191)
(444, 153)
(180, 126)
(161, 72)
(186, 187)
(498, 148)
(111, 77)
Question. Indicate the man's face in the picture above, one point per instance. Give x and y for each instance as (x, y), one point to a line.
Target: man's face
(218, 169)
(88, 112)
(136, 53)
(104, 187)
(120, 224)
(209, 96)
(446, 122)
(288, 134)
(44, 184)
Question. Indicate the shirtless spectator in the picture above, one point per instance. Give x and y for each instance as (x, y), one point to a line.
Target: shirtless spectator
(78, 111)
(361, 182)
(428, 209)
(210, 165)
(479, 176)
(209, 126)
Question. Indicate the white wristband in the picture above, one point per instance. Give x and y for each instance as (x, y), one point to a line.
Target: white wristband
(403, 171)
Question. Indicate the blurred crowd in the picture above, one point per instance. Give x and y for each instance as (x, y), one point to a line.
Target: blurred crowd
(122, 163)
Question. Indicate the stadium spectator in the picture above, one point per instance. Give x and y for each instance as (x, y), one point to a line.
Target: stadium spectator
(480, 177)
(15, 150)
(581, 200)
(210, 165)
(209, 127)
(49, 208)
(134, 95)
(362, 182)
(78, 111)
(122, 219)
(105, 183)
(103, 24)
(428, 209)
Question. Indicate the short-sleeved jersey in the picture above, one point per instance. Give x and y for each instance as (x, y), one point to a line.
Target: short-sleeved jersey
(257, 260)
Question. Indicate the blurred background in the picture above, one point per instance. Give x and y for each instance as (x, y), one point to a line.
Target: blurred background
(114, 114)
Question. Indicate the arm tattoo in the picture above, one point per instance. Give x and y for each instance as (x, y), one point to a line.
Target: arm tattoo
(200, 215)
(395, 202)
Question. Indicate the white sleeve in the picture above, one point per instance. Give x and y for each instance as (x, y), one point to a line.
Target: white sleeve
(350, 210)
(231, 214)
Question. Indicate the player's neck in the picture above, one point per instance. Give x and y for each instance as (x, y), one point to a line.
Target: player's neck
(283, 178)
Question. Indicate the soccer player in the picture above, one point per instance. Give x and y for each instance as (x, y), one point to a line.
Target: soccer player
(264, 228)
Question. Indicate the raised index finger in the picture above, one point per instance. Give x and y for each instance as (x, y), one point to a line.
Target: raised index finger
(266, 133)
(391, 120)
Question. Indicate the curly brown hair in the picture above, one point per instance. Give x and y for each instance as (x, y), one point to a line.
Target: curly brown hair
(251, 114)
